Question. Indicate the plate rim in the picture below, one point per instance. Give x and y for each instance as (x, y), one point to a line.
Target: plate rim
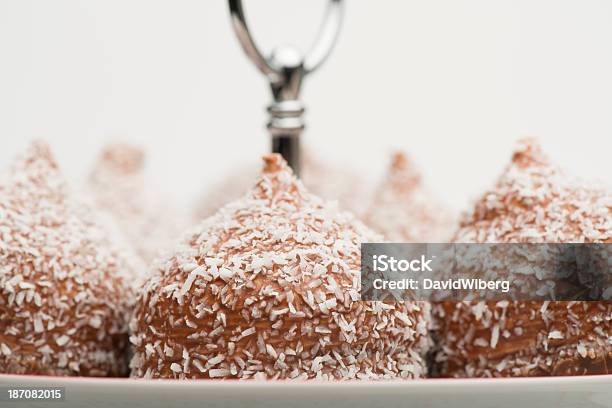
(422, 382)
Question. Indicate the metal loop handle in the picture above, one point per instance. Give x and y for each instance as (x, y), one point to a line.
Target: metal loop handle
(313, 59)
(285, 69)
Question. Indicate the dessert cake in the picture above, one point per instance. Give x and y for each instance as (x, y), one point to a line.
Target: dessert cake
(64, 286)
(404, 211)
(117, 183)
(532, 202)
(268, 288)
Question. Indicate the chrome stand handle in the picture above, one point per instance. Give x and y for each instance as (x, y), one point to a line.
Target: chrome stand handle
(285, 70)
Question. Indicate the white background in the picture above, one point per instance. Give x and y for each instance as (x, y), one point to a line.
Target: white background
(453, 82)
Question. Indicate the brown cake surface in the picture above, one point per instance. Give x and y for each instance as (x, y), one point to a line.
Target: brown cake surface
(532, 202)
(64, 286)
(268, 288)
(403, 210)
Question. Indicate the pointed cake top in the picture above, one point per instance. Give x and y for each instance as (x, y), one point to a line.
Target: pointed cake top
(144, 217)
(528, 152)
(403, 210)
(34, 174)
(536, 201)
(39, 152)
(122, 158)
(403, 175)
(274, 163)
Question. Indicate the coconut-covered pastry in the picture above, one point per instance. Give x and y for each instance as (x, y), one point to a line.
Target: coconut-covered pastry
(147, 221)
(532, 202)
(268, 288)
(404, 211)
(64, 287)
(322, 179)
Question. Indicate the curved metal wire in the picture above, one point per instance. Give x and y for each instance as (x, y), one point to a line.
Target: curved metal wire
(285, 69)
(314, 58)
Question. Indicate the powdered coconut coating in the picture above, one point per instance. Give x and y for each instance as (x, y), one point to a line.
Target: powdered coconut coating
(404, 211)
(533, 201)
(268, 288)
(147, 221)
(321, 178)
(63, 292)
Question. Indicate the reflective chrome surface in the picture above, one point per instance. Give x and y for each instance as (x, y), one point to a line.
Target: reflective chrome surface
(285, 69)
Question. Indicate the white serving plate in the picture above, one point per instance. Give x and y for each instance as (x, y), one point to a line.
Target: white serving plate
(557, 392)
